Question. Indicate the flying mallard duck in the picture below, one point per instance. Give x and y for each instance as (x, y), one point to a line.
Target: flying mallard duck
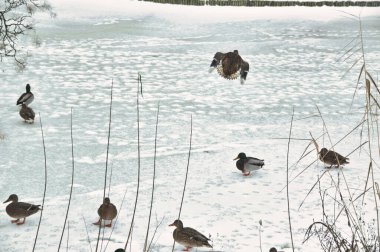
(189, 237)
(19, 210)
(106, 211)
(247, 164)
(26, 98)
(331, 158)
(27, 113)
(230, 65)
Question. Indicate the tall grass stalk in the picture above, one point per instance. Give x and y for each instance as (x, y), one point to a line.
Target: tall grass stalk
(72, 179)
(187, 172)
(139, 89)
(153, 180)
(106, 169)
(45, 183)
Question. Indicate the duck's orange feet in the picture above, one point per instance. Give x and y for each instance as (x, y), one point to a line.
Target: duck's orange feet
(97, 223)
(15, 221)
(20, 223)
(246, 173)
(108, 225)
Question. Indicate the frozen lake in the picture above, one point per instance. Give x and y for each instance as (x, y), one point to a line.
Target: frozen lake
(294, 62)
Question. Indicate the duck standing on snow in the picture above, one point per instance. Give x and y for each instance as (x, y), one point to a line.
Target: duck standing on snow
(189, 237)
(19, 210)
(106, 211)
(331, 158)
(247, 164)
(27, 113)
(230, 65)
(27, 97)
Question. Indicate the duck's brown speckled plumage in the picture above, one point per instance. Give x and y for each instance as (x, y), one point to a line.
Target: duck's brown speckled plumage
(20, 210)
(331, 158)
(106, 211)
(27, 113)
(230, 65)
(189, 237)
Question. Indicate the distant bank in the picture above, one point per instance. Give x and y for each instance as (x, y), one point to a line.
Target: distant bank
(264, 3)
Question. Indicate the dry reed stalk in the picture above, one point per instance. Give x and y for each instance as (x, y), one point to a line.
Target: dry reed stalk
(72, 179)
(88, 237)
(287, 180)
(106, 169)
(45, 184)
(368, 83)
(155, 232)
(187, 172)
(153, 180)
(138, 159)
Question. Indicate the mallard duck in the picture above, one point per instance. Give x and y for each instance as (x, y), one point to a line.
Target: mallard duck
(247, 164)
(19, 210)
(273, 250)
(27, 113)
(106, 211)
(230, 65)
(27, 97)
(189, 237)
(332, 158)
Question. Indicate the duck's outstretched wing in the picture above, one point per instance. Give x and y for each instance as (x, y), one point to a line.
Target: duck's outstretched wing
(244, 71)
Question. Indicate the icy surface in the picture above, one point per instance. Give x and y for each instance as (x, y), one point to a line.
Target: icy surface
(294, 62)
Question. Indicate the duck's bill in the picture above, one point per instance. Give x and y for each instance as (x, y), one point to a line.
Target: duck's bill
(171, 225)
(6, 201)
(236, 158)
(211, 69)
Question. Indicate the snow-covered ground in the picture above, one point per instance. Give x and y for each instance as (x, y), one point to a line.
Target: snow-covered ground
(294, 58)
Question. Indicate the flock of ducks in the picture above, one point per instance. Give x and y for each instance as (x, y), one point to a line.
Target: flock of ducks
(230, 66)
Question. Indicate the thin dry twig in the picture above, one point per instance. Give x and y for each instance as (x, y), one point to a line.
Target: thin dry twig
(45, 184)
(106, 169)
(138, 159)
(153, 180)
(72, 179)
(88, 237)
(187, 172)
(287, 180)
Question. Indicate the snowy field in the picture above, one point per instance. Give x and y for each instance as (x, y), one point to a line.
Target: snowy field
(294, 55)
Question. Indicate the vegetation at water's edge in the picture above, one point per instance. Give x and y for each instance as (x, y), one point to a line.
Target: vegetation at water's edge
(264, 3)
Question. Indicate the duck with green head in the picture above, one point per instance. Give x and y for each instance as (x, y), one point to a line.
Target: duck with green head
(189, 237)
(247, 164)
(27, 97)
(19, 210)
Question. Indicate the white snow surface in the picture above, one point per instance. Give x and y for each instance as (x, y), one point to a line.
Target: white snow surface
(294, 56)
